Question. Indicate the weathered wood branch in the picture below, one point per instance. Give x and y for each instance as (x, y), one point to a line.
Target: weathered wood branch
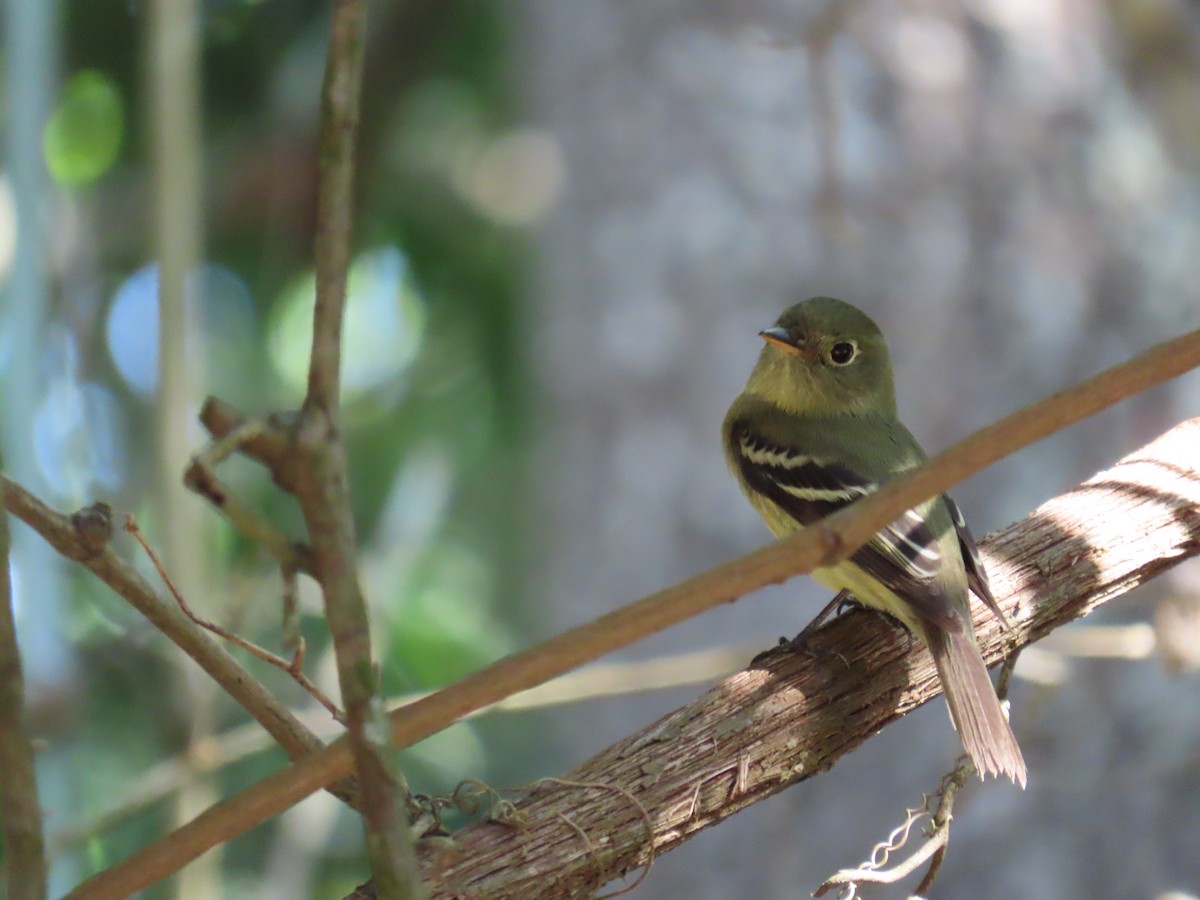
(791, 716)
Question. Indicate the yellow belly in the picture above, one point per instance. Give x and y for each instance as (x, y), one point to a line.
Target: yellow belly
(867, 591)
(845, 575)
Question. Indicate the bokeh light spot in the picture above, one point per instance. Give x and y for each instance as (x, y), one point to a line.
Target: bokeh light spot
(77, 439)
(132, 330)
(83, 135)
(8, 227)
(219, 301)
(516, 178)
(385, 320)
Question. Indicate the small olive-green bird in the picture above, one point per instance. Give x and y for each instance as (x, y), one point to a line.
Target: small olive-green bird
(815, 429)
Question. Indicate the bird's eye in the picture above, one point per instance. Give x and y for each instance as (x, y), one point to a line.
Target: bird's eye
(843, 352)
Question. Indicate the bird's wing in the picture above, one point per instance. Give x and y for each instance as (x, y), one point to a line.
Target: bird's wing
(977, 577)
(904, 556)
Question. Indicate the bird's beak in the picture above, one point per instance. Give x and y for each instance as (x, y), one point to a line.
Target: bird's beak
(783, 339)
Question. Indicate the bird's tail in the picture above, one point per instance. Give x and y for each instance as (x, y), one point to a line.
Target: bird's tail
(974, 708)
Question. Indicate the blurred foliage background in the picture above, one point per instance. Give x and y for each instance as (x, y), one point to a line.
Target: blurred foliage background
(572, 220)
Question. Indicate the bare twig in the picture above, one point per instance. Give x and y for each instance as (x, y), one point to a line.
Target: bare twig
(20, 812)
(866, 875)
(873, 871)
(267, 440)
(882, 852)
(838, 537)
(290, 630)
(201, 478)
(294, 666)
(934, 847)
(952, 783)
(322, 485)
(83, 537)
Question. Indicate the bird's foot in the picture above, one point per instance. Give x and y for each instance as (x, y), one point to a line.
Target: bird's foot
(803, 643)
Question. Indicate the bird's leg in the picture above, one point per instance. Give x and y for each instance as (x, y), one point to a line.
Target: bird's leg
(840, 603)
(801, 643)
(845, 601)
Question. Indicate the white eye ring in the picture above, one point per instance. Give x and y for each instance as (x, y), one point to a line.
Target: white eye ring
(843, 353)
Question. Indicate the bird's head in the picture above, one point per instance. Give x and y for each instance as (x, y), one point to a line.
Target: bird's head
(824, 357)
